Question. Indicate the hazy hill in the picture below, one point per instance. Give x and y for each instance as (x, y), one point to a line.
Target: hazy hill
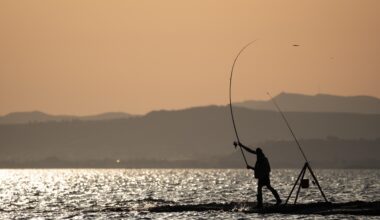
(105, 116)
(36, 116)
(331, 152)
(318, 103)
(192, 134)
(288, 102)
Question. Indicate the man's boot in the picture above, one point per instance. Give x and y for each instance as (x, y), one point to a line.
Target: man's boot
(259, 200)
(278, 200)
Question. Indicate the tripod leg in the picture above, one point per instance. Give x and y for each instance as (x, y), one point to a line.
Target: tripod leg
(316, 181)
(299, 186)
(294, 186)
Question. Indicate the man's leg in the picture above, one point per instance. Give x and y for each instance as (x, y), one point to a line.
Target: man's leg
(259, 194)
(274, 192)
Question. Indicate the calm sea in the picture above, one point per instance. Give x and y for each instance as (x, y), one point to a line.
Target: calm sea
(129, 193)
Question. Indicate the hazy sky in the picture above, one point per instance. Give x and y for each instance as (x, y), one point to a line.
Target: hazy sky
(87, 57)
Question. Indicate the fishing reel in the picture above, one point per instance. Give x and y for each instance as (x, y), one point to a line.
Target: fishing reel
(235, 144)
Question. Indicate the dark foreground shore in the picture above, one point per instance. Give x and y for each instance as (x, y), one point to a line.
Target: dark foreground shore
(348, 208)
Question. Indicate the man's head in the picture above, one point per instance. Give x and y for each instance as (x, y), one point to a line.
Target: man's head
(259, 152)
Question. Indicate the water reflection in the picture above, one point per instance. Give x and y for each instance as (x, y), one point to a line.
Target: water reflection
(88, 193)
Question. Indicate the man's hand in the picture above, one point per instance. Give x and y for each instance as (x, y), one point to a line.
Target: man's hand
(249, 167)
(235, 144)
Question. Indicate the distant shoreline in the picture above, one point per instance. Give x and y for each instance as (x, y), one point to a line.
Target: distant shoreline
(18, 167)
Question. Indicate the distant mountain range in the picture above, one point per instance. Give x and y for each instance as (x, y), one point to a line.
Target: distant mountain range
(194, 136)
(37, 116)
(288, 102)
(318, 103)
(322, 153)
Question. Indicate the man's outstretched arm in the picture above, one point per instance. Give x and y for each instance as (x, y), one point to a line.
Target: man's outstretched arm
(247, 148)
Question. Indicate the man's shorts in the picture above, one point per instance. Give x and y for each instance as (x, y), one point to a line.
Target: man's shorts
(264, 181)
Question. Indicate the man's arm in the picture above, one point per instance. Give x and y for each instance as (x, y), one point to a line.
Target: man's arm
(249, 167)
(247, 148)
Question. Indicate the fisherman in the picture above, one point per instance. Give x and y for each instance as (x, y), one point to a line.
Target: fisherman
(262, 173)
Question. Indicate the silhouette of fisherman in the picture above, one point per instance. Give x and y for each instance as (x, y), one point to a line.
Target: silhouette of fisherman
(262, 173)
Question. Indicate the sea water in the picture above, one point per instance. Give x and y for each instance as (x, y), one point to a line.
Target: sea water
(129, 193)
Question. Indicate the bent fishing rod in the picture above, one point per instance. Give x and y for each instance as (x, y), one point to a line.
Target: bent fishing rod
(287, 124)
(230, 94)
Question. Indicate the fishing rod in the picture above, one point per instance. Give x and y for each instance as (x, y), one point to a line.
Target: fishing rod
(230, 94)
(287, 124)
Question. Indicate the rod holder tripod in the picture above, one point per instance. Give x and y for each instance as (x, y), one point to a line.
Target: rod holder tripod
(300, 179)
(301, 176)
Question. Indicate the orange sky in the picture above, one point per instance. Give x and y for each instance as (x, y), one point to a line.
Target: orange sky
(87, 57)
